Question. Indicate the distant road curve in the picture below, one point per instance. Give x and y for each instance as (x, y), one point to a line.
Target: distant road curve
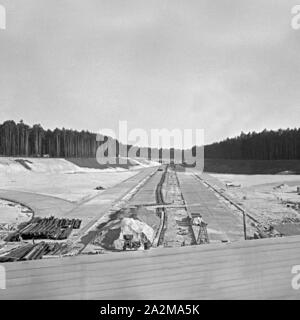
(42, 205)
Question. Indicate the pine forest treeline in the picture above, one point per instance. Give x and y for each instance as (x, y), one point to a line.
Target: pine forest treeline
(22, 140)
(266, 145)
(19, 139)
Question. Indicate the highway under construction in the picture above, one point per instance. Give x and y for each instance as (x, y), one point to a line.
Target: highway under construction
(194, 237)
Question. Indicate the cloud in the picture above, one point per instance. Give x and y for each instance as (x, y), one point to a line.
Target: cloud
(225, 66)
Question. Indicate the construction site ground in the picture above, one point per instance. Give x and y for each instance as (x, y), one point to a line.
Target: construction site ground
(271, 199)
(167, 200)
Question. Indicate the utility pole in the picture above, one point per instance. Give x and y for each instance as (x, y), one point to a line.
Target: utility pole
(244, 223)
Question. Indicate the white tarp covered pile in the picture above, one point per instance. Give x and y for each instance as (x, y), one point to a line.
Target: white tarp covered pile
(135, 228)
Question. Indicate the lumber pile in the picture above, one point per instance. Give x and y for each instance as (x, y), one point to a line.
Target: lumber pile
(31, 251)
(46, 228)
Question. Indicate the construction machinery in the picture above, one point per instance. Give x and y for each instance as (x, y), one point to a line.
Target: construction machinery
(202, 234)
(129, 243)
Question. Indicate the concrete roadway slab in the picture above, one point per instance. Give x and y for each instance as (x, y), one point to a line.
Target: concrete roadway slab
(92, 210)
(146, 195)
(89, 211)
(223, 223)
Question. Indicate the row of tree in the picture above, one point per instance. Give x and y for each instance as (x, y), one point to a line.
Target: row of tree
(266, 145)
(19, 139)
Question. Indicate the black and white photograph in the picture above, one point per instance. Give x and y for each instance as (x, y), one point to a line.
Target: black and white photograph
(149, 151)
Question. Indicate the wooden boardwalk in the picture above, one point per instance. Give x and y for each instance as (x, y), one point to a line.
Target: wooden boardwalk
(254, 269)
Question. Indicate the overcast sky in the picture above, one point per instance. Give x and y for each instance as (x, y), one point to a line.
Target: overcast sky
(225, 66)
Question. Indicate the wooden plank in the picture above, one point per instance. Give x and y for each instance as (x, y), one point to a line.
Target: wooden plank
(148, 263)
(145, 277)
(246, 269)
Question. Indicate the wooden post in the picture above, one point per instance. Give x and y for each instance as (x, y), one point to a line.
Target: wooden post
(244, 223)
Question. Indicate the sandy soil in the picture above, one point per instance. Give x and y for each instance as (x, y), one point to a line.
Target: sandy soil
(265, 196)
(58, 177)
(72, 187)
(257, 179)
(13, 213)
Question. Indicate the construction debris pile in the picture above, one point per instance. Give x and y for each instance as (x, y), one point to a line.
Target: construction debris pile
(265, 231)
(46, 228)
(134, 234)
(30, 251)
(290, 220)
(293, 205)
